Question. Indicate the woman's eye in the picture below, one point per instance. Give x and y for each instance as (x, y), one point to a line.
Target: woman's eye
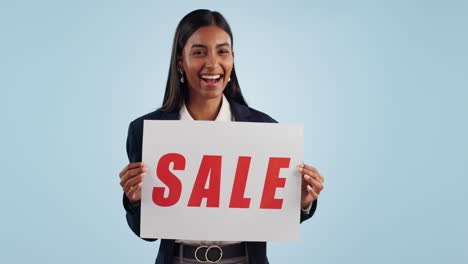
(224, 51)
(198, 52)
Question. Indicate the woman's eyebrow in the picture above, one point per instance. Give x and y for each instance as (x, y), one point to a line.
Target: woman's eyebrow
(204, 46)
(223, 44)
(198, 46)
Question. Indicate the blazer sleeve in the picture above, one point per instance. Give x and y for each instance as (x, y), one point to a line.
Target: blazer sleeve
(305, 216)
(133, 212)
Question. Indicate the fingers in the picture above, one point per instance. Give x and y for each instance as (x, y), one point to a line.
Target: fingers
(313, 175)
(312, 180)
(312, 193)
(132, 173)
(316, 185)
(131, 178)
(129, 167)
(311, 171)
(133, 181)
(134, 194)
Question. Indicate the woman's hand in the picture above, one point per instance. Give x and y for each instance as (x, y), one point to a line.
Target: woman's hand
(131, 178)
(312, 184)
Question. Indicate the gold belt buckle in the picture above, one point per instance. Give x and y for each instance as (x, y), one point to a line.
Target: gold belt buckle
(208, 248)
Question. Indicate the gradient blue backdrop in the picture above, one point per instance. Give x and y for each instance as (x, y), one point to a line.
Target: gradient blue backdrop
(381, 87)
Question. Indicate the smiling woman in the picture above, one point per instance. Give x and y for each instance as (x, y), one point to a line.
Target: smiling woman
(203, 44)
(207, 62)
(202, 85)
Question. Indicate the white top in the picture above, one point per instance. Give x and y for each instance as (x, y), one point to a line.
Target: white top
(224, 114)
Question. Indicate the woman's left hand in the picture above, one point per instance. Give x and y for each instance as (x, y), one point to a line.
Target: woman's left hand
(312, 184)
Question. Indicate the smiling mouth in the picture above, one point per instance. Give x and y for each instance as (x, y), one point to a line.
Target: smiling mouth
(211, 79)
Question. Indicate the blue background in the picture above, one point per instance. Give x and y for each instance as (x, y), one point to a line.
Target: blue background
(381, 87)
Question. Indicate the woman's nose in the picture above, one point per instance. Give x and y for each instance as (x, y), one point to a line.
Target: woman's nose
(211, 60)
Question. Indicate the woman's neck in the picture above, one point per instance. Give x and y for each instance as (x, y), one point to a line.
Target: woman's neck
(204, 109)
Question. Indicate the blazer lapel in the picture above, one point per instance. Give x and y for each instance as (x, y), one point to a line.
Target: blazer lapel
(240, 112)
(174, 115)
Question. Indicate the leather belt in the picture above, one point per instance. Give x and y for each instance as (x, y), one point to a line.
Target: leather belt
(210, 253)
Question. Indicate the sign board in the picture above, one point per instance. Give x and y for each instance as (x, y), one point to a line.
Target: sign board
(221, 181)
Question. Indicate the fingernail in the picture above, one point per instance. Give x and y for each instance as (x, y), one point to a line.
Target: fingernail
(307, 177)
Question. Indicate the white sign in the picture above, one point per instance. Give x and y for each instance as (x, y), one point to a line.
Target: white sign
(221, 181)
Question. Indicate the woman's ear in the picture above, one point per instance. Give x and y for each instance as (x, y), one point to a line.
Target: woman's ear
(179, 63)
(233, 54)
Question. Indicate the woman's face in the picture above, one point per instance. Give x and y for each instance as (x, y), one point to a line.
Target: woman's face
(207, 60)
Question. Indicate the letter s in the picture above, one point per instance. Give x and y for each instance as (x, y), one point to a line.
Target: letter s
(169, 179)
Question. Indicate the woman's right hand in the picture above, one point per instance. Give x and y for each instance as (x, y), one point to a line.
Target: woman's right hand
(131, 178)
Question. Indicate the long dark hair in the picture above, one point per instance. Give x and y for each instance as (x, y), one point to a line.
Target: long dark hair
(176, 92)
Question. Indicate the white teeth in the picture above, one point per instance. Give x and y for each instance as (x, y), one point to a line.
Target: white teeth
(211, 77)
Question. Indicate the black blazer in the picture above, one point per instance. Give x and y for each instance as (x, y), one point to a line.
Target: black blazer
(242, 113)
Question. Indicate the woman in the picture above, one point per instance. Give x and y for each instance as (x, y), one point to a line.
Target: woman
(202, 85)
